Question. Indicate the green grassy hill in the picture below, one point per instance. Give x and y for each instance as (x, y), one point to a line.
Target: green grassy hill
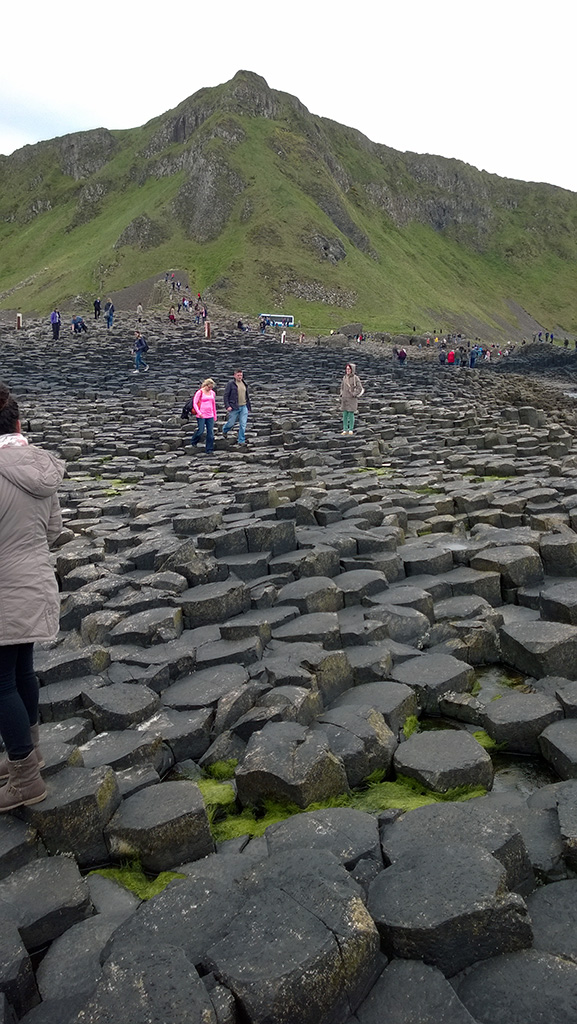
(269, 207)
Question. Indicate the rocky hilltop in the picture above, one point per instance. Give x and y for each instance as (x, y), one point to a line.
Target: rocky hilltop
(256, 196)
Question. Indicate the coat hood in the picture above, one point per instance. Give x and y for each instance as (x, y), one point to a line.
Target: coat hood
(32, 469)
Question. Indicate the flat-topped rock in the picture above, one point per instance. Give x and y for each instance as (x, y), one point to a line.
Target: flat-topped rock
(79, 803)
(540, 648)
(432, 675)
(44, 899)
(444, 760)
(528, 987)
(214, 602)
(449, 908)
(161, 831)
(518, 719)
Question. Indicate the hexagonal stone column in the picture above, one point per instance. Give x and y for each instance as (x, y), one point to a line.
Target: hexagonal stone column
(163, 826)
(540, 648)
(287, 761)
(443, 760)
(447, 905)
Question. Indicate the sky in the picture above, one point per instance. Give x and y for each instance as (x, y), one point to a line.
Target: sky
(489, 83)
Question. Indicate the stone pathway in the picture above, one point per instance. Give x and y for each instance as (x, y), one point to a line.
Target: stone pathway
(295, 605)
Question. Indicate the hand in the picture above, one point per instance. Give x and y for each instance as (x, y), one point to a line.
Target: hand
(229, 408)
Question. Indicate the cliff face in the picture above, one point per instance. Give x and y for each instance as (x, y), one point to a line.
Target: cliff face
(250, 172)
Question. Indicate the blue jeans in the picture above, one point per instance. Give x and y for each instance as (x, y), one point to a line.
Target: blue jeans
(201, 424)
(240, 414)
(138, 360)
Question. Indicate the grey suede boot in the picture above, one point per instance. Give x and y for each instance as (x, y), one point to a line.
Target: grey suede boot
(25, 785)
(35, 736)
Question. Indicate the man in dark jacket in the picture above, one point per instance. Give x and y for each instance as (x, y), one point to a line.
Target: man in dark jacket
(237, 405)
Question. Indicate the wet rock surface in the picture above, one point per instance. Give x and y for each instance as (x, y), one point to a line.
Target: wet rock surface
(299, 604)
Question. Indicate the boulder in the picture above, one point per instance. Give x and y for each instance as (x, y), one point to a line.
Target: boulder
(447, 905)
(286, 761)
(161, 828)
(443, 760)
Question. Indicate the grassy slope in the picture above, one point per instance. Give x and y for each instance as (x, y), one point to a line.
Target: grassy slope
(420, 276)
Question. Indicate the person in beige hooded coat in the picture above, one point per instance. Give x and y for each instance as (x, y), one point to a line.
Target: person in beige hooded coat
(351, 391)
(30, 520)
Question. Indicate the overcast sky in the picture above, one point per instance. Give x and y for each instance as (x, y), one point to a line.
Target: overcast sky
(490, 83)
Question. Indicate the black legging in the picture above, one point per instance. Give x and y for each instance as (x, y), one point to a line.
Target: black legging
(18, 699)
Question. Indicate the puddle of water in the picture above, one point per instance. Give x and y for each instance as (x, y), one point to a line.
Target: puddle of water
(496, 680)
(521, 774)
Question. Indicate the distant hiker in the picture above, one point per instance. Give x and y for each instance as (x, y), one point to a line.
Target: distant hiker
(546, 335)
(402, 356)
(262, 325)
(55, 321)
(109, 313)
(139, 348)
(178, 285)
(172, 315)
(139, 312)
(204, 313)
(451, 358)
(551, 337)
(442, 357)
(237, 405)
(351, 391)
(97, 309)
(204, 406)
(540, 335)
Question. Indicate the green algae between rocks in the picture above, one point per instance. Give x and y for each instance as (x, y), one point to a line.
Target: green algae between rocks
(131, 876)
(375, 795)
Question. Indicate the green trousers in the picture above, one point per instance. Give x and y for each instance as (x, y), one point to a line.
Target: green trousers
(348, 421)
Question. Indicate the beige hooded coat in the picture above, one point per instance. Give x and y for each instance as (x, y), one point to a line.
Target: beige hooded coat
(30, 520)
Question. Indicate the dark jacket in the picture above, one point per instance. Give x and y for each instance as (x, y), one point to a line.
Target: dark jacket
(231, 395)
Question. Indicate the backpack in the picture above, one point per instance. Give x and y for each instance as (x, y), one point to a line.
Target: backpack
(144, 346)
(187, 410)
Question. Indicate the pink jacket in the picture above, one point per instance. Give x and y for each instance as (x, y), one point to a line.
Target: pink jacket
(204, 405)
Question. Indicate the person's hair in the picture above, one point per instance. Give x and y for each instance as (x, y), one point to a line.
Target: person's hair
(208, 383)
(9, 412)
(238, 370)
(350, 366)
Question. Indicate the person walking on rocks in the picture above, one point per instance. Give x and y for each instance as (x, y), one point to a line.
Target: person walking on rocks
(237, 405)
(139, 348)
(97, 309)
(351, 391)
(109, 313)
(30, 520)
(55, 321)
(204, 407)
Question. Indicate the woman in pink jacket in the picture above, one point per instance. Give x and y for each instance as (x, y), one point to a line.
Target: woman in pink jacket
(204, 407)
(30, 520)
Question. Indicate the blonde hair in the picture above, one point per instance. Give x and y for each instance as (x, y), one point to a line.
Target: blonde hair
(208, 383)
